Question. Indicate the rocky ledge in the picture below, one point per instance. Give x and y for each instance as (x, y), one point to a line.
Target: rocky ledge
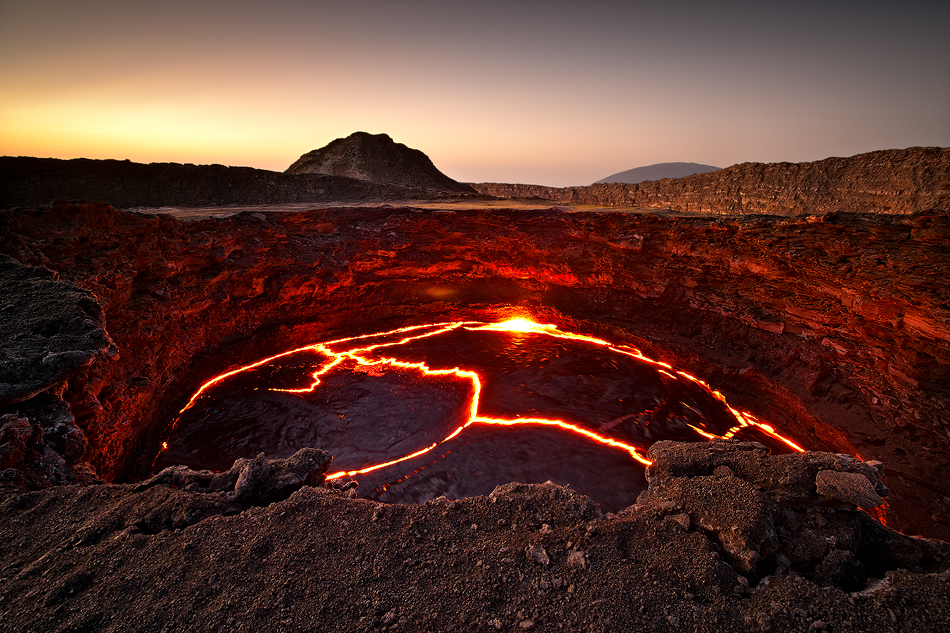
(898, 181)
(726, 538)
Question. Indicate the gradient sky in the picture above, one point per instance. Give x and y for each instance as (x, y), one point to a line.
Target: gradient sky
(548, 92)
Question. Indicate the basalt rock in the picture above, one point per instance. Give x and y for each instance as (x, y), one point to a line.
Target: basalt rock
(49, 330)
(41, 445)
(841, 346)
(851, 488)
(903, 181)
(376, 158)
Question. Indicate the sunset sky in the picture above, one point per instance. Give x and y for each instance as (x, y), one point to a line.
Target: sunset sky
(547, 92)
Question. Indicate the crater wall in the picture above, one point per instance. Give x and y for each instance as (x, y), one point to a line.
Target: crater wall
(834, 328)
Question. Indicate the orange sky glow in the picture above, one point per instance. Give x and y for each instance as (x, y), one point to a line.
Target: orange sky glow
(555, 93)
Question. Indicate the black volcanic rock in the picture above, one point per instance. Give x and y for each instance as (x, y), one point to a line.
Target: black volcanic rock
(252, 481)
(658, 171)
(48, 330)
(376, 158)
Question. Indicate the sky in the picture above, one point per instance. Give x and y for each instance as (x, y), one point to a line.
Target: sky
(543, 92)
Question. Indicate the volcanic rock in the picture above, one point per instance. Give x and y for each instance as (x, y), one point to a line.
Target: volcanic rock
(257, 481)
(15, 432)
(727, 537)
(49, 330)
(852, 488)
(48, 444)
(376, 158)
(898, 181)
(537, 554)
(769, 512)
(833, 329)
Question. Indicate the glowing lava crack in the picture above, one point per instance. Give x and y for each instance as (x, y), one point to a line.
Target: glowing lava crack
(392, 397)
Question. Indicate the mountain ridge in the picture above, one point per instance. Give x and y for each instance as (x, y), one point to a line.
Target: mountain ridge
(657, 171)
(29, 181)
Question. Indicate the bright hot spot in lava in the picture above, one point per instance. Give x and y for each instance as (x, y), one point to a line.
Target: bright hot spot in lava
(457, 408)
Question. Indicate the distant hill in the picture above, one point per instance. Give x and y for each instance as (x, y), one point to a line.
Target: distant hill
(658, 172)
(376, 158)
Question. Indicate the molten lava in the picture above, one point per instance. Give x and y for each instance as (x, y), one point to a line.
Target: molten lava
(513, 373)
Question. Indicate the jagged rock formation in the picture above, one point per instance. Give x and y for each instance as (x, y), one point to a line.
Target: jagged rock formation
(902, 181)
(658, 172)
(48, 331)
(835, 329)
(258, 481)
(726, 538)
(769, 521)
(376, 158)
(28, 181)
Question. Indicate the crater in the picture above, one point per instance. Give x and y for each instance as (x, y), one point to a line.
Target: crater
(783, 317)
(455, 409)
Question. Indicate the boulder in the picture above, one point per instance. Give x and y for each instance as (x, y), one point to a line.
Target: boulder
(257, 481)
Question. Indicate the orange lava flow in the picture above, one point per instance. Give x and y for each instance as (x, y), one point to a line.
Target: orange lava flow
(358, 355)
(634, 453)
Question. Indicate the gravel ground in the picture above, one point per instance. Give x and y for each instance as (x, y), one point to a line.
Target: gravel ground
(708, 547)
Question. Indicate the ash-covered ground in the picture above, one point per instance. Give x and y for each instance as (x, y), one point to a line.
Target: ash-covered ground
(726, 538)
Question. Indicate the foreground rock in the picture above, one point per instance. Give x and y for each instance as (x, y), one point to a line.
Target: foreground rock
(257, 481)
(898, 181)
(528, 557)
(772, 514)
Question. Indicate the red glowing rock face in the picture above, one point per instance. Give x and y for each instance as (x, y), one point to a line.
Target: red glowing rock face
(458, 408)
